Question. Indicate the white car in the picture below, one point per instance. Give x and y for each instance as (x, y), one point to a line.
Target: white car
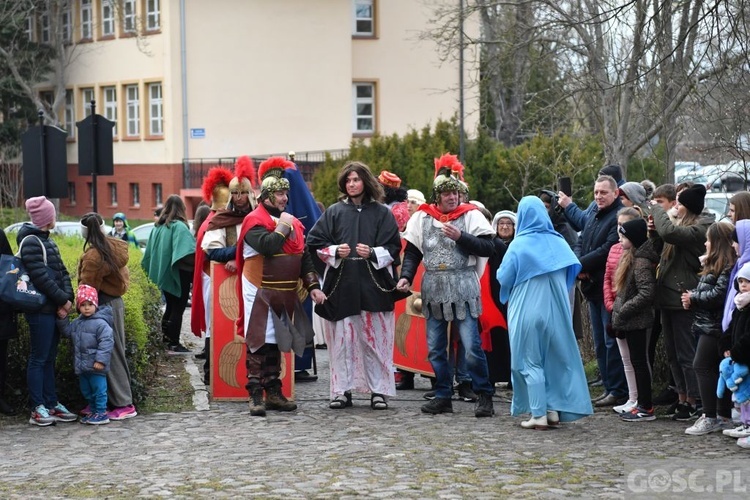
(143, 232)
(718, 204)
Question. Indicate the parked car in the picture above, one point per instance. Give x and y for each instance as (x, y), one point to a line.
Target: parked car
(718, 204)
(143, 232)
(67, 228)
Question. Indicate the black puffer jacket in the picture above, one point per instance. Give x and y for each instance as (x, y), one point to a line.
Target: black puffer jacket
(592, 248)
(53, 279)
(634, 306)
(707, 300)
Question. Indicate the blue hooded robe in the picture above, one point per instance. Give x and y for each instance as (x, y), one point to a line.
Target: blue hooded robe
(536, 276)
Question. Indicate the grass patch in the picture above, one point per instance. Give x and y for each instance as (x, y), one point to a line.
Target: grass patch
(170, 390)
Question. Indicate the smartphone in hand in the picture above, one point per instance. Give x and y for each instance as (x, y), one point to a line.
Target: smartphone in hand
(565, 185)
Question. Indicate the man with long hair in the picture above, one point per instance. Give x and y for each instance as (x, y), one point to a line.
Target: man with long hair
(358, 242)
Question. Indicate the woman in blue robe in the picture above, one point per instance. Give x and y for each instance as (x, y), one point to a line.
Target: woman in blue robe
(536, 276)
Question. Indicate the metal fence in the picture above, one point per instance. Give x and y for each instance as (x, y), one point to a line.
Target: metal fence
(195, 169)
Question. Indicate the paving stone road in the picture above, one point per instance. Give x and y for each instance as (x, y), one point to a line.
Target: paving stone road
(220, 451)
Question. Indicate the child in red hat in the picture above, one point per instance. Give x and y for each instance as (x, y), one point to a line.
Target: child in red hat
(91, 333)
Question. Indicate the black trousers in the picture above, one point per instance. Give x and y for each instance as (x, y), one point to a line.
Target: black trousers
(706, 366)
(638, 346)
(172, 319)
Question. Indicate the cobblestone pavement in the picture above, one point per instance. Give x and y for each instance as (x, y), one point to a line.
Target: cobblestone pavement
(219, 450)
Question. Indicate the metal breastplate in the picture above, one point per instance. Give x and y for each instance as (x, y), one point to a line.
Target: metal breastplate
(449, 281)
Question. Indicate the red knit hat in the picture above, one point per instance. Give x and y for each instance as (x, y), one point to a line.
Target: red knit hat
(87, 293)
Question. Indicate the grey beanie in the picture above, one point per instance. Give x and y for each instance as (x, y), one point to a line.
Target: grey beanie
(634, 192)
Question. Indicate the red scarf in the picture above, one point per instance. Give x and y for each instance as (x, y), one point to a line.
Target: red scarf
(436, 214)
(198, 307)
(294, 244)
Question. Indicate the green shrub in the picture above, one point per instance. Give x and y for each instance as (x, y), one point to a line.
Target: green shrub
(142, 320)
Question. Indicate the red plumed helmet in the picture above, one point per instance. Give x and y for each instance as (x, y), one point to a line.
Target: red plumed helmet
(215, 186)
(450, 162)
(244, 168)
(274, 163)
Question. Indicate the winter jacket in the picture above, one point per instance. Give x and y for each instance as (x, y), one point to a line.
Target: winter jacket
(740, 326)
(53, 279)
(609, 276)
(634, 306)
(592, 248)
(92, 339)
(707, 300)
(93, 271)
(679, 272)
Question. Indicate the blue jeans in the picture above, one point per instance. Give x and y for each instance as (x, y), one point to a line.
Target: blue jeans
(40, 375)
(607, 353)
(94, 389)
(476, 362)
(457, 358)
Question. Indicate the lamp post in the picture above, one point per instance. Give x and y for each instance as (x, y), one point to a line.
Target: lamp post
(461, 138)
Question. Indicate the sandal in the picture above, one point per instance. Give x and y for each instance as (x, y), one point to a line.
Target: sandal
(378, 402)
(341, 402)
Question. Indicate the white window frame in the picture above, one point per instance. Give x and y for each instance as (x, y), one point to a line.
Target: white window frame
(87, 95)
(87, 20)
(359, 14)
(128, 16)
(132, 111)
(71, 193)
(357, 102)
(108, 18)
(156, 110)
(135, 193)
(153, 15)
(109, 96)
(70, 114)
(91, 193)
(112, 193)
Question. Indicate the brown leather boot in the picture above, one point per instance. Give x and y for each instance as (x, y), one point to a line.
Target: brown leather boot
(275, 400)
(257, 405)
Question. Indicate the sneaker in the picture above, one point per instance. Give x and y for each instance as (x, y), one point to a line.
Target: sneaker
(62, 414)
(466, 393)
(625, 408)
(178, 349)
(685, 412)
(122, 413)
(705, 425)
(743, 442)
(437, 406)
(429, 395)
(40, 416)
(638, 414)
(742, 431)
(97, 419)
(672, 409)
(86, 411)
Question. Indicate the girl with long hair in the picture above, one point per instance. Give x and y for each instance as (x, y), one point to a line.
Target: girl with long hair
(104, 266)
(707, 300)
(168, 261)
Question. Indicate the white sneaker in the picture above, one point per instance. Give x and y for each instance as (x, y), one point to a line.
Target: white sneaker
(625, 408)
(742, 431)
(743, 442)
(704, 425)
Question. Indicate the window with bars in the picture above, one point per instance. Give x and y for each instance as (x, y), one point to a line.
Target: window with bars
(110, 106)
(158, 201)
(155, 110)
(132, 110)
(112, 193)
(135, 194)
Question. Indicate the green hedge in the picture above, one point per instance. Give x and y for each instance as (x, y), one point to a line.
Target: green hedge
(142, 320)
